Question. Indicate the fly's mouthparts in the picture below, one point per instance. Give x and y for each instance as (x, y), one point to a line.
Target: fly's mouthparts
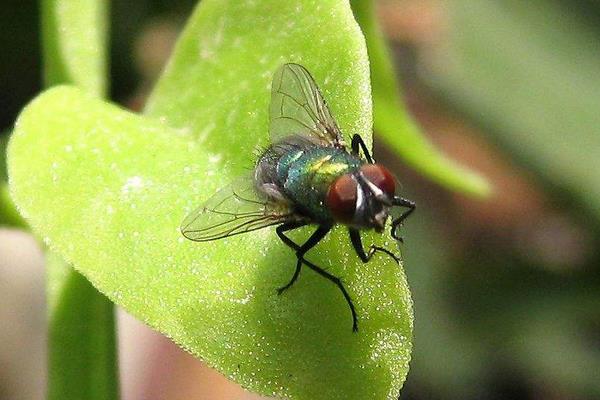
(385, 199)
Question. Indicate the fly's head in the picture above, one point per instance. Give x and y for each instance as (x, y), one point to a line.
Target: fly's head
(363, 198)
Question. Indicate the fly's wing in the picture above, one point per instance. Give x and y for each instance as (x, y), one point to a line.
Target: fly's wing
(235, 209)
(298, 108)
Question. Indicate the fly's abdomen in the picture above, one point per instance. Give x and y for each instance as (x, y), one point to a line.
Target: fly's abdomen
(307, 176)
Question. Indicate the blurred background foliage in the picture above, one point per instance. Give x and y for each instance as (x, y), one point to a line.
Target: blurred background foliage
(506, 290)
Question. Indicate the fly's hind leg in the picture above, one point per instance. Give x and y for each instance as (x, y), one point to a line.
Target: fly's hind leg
(301, 251)
(338, 282)
(288, 226)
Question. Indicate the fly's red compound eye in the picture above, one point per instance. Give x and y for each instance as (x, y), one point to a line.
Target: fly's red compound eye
(381, 177)
(341, 198)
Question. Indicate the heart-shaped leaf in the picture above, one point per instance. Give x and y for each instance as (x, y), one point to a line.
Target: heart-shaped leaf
(108, 190)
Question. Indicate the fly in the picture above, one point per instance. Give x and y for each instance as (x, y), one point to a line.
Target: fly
(307, 176)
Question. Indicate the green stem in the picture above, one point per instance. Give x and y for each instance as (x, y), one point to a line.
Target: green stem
(82, 359)
(9, 216)
(396, 127)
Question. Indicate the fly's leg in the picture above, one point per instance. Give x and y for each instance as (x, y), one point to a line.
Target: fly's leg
(301, 251)
(312, 241)
(357, 143)
(337, 281)
(290, 243)
(366, 256)
(399, 201)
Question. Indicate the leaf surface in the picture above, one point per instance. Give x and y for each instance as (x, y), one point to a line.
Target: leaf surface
(110, 191)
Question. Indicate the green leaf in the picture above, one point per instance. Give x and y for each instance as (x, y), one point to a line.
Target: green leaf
(74, 43)
(528, 73)
(115, 188)
(81, 330)
(8, 214)
(439, 334)
(216, 84)
(396, 126)
(81, 353)
(3, 144)
(112, 188)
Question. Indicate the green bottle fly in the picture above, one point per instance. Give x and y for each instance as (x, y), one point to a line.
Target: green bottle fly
(307, 176)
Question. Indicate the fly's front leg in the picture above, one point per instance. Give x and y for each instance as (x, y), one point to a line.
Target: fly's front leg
(358, 143)
(401, 202)
(366, 256)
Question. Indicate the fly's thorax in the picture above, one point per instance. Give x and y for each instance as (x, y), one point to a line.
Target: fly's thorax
(308, 175)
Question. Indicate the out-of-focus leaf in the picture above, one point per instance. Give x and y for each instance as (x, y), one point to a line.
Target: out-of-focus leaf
(9, 216)
(3, 143)
(82, 346)
(552, 348)
(81, 330)
(395, 125)
(74, 43)
(528, 72)
(446, 359)
(112, 188)
(543, 326)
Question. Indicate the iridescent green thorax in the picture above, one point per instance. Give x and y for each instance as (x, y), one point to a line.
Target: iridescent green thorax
(306, 175)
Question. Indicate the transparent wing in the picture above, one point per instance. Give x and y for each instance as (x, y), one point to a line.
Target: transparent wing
(298, 108)
(235, 209)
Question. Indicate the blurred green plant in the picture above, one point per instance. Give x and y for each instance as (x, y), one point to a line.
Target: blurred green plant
(74, 37)
(82, 360)
(9, 216)
(397, 128)
(3, 143)
(528, 73)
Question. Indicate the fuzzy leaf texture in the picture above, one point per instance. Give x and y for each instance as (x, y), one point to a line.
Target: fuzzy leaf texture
(108, 189)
